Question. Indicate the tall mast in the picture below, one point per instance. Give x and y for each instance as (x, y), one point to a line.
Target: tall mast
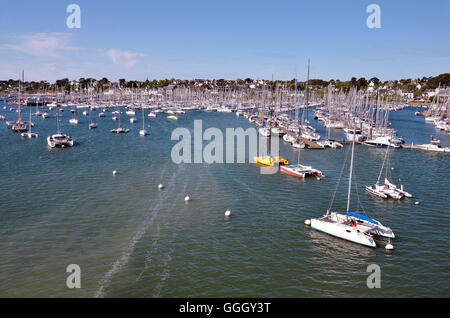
(350, 176)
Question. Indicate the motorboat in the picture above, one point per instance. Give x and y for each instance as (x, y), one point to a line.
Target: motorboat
(73, 121)
(431, 147)
(270, 160)
(381, 141)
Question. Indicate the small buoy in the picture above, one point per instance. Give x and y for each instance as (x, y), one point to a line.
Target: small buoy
(318, 178)
(417, 203)
(227, 213)
(389, 247)
(160, 186)
(307, 222)
(114, 172)
(392, 168)
(187, 198)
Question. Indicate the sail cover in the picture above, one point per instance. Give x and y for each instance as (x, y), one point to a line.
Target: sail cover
(362, 217)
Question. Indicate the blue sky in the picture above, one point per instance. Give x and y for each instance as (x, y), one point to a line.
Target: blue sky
(224, 39)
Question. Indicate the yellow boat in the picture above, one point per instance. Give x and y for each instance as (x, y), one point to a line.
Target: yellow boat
(270, 160)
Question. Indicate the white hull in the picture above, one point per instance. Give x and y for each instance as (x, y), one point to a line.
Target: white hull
(343, 231)
(59, 140)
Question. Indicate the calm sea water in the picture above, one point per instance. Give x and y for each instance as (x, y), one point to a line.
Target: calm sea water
(64, 206)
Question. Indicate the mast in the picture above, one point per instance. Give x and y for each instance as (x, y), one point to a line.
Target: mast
(350, 176)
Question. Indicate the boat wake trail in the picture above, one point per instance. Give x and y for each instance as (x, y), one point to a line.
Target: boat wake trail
(123, 260)
(148, 258)
(164, 274)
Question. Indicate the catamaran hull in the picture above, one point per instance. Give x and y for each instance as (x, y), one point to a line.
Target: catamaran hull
(376, 192)
(343, 231)
(59, 144)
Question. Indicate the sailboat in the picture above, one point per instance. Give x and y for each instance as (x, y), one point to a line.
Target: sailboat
(19, 125)
(299, 170)
(92, 124)
(351, 226)
(329, 143)
(59, 139)
(387, 189)
(73, 120)
(143, 132)
(120, 129)
(29, 134)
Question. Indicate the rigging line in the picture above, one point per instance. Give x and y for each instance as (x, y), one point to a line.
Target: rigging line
(339, 180)
(357, 195)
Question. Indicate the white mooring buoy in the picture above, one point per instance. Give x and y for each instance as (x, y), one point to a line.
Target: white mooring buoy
(227, 213)
(114, 172)
(417, 203)
(307, 222)
(187, 198)
(389, 247)
(160, 186)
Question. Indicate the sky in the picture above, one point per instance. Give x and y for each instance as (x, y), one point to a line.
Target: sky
(229, 39)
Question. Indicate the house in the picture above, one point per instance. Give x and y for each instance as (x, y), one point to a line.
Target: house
(407, 94)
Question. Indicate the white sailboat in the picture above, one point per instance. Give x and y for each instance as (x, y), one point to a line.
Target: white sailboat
(29, 134)
(353, 227)
(92, 124)
(143, 132)
(59, 139)
(120, 129)
(387, 189)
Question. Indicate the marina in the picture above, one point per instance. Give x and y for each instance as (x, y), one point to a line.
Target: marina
(228, 157)
(133, 232)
